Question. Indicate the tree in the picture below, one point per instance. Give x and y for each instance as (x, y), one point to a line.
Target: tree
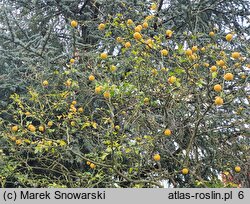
(112, 102)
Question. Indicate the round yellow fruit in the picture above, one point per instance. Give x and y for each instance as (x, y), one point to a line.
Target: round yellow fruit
(213, 69)
(145, 25)
(106, 94)
(41, 128)
(229, 37)
(172, 79)
(169, 33)
(74, 102)
(31, 128)
(184, 171)
(45, 83)
(203, 49)
(153, 7)
(195, 49)
(217, 87)
(127, 44)
(119, 39)
(237, 169)
(14, 128)
(73, 123)
(157, 157)
(211, 34)
(113, 68)
(27, 113)
(68, 83)
(146, 100)
(18, 142)
(218, 101)
(220, 63)
(104, 55)
(98, 89)
(101, 26)
(92, 166)
(228, 76)
(164, 52)
(80, 110)
(91, 78)
(154, 72)
(167, 132)
(138, 28)
(50, 123)
(129, 22)
(74, 24)
(189, 52)
(235, 55)
(137, 36)
(72, 61)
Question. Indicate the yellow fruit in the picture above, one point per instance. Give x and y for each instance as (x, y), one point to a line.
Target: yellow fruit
(153, 7)
(169, 33)
(74, 24)
(184, 171)
(68, 82)
(164, 52)
(14, 128)
(106, 94)
(195, 49)
(13, 138)
(203, 49)
(45, 83)
(50, 123)
(235, 55)
(138, 28)
(104, 55)
(80, 110)
(189, 52)
(206, 64)
(119, 39)
(98, 89)
(218, 101)
(73, 123)
(31, 128)
(72, 61)
(229, 37)
(217, 87)
(220, 63)
(101, 26)
(172, 79)
(137, 36)
(27, 113)
(211, 34)
(145, 25)
(129, 22)
(19, 141)
(146, 101)
(88, 162)
(117, 127)
(228, 76)
(157, 157)
(74, 103)
(237, 169)
(127, 44)
(92, 166)
(213, 69)
(154, 72)
(167, 132)
(91, 78)
(113, 68)
(41, 128)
